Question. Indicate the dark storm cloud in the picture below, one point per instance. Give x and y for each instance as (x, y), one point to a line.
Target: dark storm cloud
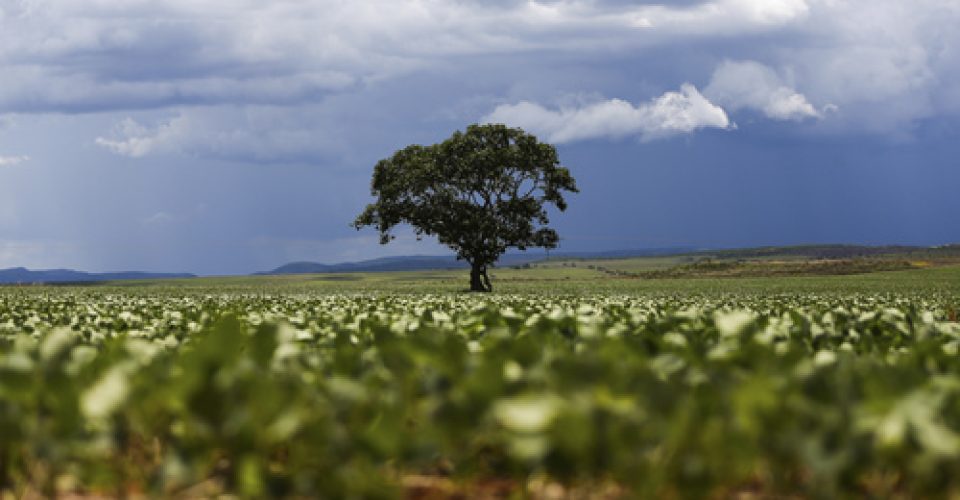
(230, 136)
(880, 65)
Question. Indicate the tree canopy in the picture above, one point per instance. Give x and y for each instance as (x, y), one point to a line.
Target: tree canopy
(479, 192)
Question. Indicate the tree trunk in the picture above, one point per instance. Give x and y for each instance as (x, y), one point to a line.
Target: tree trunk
(478, 275)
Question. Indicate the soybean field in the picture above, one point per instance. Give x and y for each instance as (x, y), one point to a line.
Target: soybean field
(840, 387)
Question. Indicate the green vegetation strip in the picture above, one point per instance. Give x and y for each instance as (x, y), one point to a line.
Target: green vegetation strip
(104, 393)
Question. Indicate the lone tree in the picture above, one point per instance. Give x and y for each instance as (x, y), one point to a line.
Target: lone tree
(479, 192)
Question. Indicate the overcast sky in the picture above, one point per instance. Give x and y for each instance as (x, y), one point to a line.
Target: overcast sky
(234, 136)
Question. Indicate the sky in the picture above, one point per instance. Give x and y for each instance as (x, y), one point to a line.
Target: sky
(227, 137)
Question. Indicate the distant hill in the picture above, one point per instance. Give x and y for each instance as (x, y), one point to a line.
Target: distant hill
(435, 262)
(26, 276)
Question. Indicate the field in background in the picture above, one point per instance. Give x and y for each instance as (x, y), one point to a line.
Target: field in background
(834, 267)
(555, 278)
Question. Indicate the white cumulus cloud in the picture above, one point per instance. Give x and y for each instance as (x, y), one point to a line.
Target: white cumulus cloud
(158, 219)
(6, 161)
(750, 85)
(671, 114)
(252, 134)
(722, 16)
(135, 140)
(768, 11)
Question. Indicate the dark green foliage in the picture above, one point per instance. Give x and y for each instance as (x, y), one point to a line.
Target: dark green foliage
(479, 192)
(337, 396)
